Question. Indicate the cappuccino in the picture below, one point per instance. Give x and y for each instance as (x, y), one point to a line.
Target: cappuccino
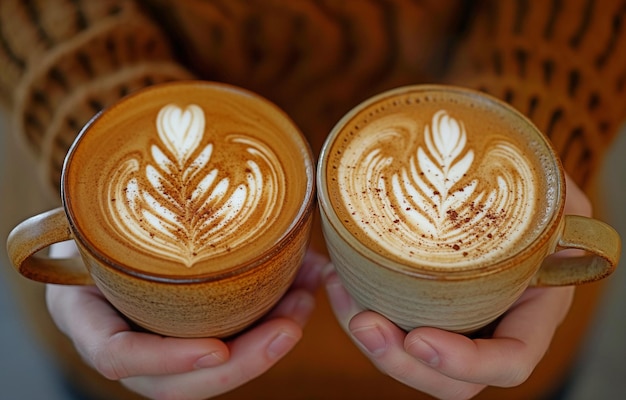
(439, 179)
(191, 204)
(440, 206)
(188, 182)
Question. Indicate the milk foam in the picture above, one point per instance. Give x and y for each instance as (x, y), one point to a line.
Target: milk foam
(178, 205)
(425, 201)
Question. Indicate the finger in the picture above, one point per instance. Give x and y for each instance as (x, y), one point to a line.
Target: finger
(252, 353)
(383, 342)
(310, 275)
(107, 343)
(576, 201)
(509, 357)
(448, 365)
(297, 305)
(343, 305)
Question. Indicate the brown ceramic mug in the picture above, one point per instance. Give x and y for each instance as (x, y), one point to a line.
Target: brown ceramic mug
(190, 204)
(441, 205)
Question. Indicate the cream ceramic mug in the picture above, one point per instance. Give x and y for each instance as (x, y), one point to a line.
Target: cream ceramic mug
(191, 206)
(441, 205)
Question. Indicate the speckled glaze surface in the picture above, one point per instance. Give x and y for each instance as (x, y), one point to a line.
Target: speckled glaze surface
(428, 279)
(191, 204)
(217, 307)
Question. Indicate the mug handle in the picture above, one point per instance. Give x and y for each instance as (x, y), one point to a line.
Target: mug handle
(37, 233)
(602, 244)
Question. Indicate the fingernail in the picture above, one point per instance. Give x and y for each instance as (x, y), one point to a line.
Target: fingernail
(209, 360)
(281, 345)
(372, 338)
(423, 351)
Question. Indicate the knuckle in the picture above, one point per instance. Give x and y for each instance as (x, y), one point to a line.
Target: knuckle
(108, 359)
(517, 377)
(106, 365)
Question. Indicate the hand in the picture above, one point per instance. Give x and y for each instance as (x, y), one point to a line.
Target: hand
(452, 366)
(164, 367)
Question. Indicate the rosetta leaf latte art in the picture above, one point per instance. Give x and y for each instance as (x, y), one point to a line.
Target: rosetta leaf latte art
(431, 205)
(442, 170)
(179, 206)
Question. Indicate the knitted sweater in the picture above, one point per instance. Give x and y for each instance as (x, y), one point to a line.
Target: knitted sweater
(562, 63)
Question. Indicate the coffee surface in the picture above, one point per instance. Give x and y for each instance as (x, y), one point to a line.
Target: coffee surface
(188, 180)
(440, 180)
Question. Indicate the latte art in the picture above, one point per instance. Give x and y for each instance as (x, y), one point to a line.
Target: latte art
(431, 205)
(180, 204)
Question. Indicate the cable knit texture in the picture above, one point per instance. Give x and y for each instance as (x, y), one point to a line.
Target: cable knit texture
(562, 63)
(65, 61)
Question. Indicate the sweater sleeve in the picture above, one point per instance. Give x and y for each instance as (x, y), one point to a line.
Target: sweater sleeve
(62, 62)
(561, 63)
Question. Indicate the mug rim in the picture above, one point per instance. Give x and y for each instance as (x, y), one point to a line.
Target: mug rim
(429, 271)
(300, 217)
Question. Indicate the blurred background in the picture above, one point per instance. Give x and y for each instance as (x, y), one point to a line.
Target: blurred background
(27, 372)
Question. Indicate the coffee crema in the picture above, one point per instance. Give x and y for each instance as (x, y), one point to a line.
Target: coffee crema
(202, 180)
(438, 180)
